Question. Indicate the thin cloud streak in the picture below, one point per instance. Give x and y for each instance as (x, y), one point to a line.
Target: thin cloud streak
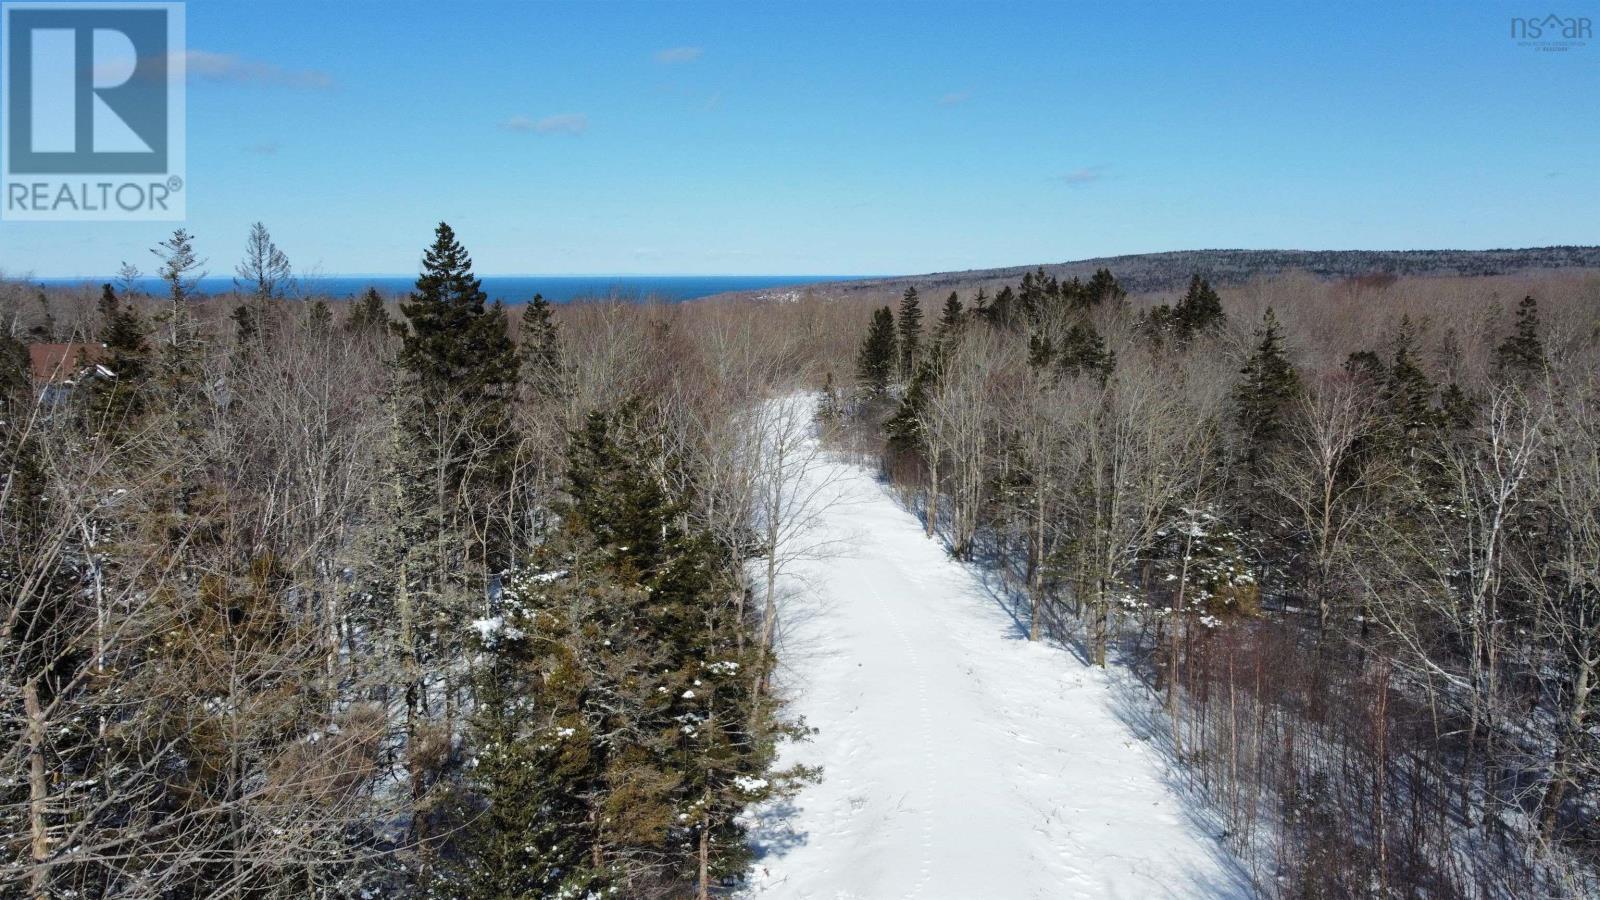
(1085, 175)
(672, 55)
(955, 98)
(565, 123)
(229, 68)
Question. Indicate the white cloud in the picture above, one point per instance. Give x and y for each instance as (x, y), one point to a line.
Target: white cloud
(1084, 175)
(204, 65)
(564, 123)
(678, 55)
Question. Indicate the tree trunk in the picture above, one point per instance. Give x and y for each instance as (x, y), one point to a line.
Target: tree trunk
(705, 861)
(38, 793)
(1174, 650)
(1561, 765)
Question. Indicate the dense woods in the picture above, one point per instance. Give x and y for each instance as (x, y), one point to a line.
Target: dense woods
(1146, 273)
(439, 598)
(352, 599)
(1346, 535)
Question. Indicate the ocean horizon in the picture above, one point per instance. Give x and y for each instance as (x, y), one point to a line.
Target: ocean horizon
(510, 289)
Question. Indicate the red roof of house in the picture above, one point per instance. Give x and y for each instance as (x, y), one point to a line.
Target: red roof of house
(60, 362)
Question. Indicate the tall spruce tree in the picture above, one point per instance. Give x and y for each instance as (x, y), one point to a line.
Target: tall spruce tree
(1407, 396)
(367, 314)
(453, 341)
(626, 738)
(14, 371)
(180, 270)
(116, 400)
(951, 318)
(107, 307)
(1101, 290)
(878, 358)
(1200, 309)
(909, 328)
(1522, 354)
(542, 364)
(1408, 392)
(904, 428)
(1083, 352)
(1004, 308)
(319, 317)
(245, 330)
(1267, 385)
(1041, 350)
(452, 455)
(461, 361)
(264, 271)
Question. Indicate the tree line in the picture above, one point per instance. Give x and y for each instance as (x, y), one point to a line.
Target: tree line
(1361, 580)
(312, 599)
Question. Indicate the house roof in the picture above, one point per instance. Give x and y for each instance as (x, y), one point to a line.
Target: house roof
(54, 363)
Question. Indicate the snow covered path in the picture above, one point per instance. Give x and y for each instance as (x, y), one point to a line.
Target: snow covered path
(960, 761)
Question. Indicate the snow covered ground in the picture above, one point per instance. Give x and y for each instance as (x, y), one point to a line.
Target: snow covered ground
(960, 761)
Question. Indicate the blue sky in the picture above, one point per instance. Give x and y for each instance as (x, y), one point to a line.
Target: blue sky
(868, 137)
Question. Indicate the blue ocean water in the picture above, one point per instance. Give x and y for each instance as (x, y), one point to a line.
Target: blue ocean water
(519, 288)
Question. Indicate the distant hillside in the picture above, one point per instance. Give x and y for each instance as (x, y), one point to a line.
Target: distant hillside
(1157, 272)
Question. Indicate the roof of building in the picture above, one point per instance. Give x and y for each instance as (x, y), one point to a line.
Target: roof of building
(54, 363)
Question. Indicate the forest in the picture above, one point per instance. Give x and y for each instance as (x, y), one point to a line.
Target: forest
(1348, 536)
(435, 597)
(393, 600)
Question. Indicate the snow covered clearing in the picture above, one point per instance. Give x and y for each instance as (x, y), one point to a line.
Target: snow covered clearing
(960, 761)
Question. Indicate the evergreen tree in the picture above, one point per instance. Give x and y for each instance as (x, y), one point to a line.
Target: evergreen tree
(1037, 296)
(951, 318)
(264, 271)
(244, 326)
(1457, 409)
(1083, 352)
(1102, 290)
(1407, 391)
(909, 328)
(1522, 354)
(1267, 385)
(980, 306)
(117, 400)
(128, 276)
(829, 410)
(460, 358)
(180, 270)
(637, 638)
(878, 357)
(124, 336)
(453, 341)
(453, 461)
(319, 318)
(904, 428)
(1003, 309)
(1200, 309)
(15, 376)
(542, 364)
(1367, 366)
(107, 308)
(1041, 350)
(367, 314)
(45, 328)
